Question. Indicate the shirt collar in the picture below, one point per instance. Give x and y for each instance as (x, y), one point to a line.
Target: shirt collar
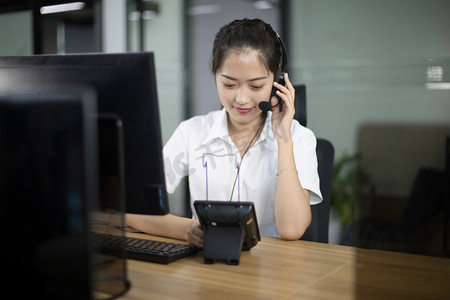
(219, 130)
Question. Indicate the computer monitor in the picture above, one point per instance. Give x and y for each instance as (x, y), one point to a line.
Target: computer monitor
(126, 91)
(47, 181)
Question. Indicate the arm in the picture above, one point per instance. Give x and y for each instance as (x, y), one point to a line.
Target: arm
(169, 226)
(292, 209)
(176, 167)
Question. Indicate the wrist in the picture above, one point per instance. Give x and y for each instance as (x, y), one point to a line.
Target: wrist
(286, 155)
(285, 170)
(285, 142)
(189, 224)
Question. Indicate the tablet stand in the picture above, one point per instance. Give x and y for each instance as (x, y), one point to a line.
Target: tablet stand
(229, 227)
(223, 243)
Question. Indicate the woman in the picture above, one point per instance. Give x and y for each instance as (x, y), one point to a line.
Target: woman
(279, 173)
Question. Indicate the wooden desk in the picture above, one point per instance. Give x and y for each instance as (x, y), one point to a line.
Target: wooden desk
(277, 269)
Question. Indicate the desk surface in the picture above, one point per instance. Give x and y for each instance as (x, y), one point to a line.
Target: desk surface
(277, 269)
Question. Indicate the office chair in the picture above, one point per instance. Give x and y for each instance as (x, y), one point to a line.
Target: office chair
(318, 230)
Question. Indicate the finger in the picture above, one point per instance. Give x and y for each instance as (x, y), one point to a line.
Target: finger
(197, 227)
(198, 231)
(288, 89)
(198, 243)
(195, 240)
(288, 83)
(196, 234)
(289, 86)
(274, 100)
(286, 98)
(280, 87)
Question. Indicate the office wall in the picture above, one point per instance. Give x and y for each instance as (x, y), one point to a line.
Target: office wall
(16, 33)
(367, 61)
(202, 28)
(377, 77)
(163, 35)
(114, 24)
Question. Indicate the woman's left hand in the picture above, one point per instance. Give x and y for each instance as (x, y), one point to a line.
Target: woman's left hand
(282, 121)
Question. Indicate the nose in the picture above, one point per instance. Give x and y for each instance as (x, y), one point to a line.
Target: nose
(242, 96)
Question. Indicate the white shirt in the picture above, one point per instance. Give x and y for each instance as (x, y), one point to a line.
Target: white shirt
(202, 146)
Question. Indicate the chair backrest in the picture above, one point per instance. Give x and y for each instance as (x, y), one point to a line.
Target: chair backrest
(318, 230)
(300, 104)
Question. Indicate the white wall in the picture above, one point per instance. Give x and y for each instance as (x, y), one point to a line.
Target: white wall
(163, 35)
(202, 30)
(16, 33)
(366, 61)
(114, 26)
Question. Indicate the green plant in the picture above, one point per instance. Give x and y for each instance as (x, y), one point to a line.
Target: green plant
(343, 187)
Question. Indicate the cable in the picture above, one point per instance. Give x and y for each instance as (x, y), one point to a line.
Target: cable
(248, 147)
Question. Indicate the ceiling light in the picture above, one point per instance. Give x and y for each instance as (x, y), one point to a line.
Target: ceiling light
(51, 9)
(148, 14)
(204, 9)
(437, 85)
(262, 5)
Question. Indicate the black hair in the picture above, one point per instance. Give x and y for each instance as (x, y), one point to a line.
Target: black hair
(253, 34)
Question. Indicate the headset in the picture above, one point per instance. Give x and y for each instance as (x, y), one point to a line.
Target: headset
(265, 106)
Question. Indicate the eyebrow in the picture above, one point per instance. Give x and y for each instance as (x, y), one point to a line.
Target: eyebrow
(250, 80)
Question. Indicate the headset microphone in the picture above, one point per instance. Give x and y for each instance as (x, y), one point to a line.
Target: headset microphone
(265, 106)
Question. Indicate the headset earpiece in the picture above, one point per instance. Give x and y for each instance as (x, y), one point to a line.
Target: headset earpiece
(265, 106)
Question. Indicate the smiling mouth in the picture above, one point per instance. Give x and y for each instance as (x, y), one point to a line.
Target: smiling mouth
(243, 110)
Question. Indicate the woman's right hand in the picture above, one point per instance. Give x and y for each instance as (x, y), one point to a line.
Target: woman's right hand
(194, 234)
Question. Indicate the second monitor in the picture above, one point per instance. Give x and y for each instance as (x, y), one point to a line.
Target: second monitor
(126, 88)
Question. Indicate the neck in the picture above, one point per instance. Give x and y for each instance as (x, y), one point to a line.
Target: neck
(235, 128)
(245, 136)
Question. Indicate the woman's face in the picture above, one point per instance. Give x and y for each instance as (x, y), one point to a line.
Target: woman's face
(242, 82)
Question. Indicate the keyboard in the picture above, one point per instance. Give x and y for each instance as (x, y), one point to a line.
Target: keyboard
(142, 249)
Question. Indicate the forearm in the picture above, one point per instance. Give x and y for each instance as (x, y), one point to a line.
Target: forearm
(168, 225)
(292, 209)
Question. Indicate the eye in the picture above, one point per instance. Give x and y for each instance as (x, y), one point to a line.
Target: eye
(257, 87)
(228, 86)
